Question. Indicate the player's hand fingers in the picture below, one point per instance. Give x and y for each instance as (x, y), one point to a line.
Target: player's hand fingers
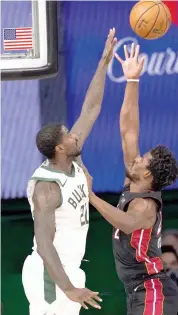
(141, 62)
(137, 50)
(114, 42)
(112, 34)
(132, 50)
(84, 305)
(108, 40)
(126, 52)
(97, 298)
(110, 37)
(92, 293)
(93, 303)
(119, 58)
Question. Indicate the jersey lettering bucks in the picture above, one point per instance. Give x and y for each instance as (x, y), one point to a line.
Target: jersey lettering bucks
(77, 196)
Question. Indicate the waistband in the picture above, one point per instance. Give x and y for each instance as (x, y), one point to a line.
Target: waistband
(132, 286)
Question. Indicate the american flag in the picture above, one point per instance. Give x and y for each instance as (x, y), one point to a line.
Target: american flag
(18, 38)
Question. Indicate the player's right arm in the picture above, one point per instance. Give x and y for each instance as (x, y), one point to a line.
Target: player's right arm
(129, 115)
(46, 199)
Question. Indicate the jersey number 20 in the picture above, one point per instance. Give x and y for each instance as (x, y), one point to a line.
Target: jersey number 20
(84, 214)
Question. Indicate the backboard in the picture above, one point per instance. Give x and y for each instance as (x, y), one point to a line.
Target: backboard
(28, 39)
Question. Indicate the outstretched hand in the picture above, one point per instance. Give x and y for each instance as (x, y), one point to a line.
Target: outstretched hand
(109, 46)
(132, 67)
(85, 297)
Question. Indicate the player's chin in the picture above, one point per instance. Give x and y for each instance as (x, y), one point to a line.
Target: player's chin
(78, 153)
(75, 153)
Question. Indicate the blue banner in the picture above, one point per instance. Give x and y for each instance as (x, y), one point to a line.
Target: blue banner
(86, 28)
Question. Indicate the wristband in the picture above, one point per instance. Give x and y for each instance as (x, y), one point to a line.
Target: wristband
(133, 80)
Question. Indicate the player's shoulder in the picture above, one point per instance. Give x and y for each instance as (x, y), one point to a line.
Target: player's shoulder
(143, 205)
(46, 194)
(45, 188)
(144, 208)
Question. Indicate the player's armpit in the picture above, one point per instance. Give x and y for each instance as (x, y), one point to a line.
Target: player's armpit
(141, 213)
(46, 199)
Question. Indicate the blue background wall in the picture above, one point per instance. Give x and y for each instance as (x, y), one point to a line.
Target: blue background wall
(29, 104)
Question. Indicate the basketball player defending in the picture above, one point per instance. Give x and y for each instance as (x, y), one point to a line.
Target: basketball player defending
(138, 219)
(59, 199)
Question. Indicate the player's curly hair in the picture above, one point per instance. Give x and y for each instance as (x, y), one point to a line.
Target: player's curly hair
(48, 138)
(163, 167)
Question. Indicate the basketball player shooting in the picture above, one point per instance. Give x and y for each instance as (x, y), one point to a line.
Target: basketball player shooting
(137, 220)
(59, 199)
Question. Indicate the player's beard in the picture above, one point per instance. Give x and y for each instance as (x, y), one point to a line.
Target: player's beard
(78, 153)
(133, 177)
(128, 175)
(74, 153)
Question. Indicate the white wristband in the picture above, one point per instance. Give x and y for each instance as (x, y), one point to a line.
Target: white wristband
(133, 80)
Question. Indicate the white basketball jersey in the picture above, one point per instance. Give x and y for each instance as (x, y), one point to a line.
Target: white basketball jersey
(72, 217)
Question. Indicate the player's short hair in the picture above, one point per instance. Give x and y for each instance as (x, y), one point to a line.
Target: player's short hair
(163, 167)
(48, 138)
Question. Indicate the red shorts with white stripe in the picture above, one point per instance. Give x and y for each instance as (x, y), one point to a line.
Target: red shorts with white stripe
(154, 297)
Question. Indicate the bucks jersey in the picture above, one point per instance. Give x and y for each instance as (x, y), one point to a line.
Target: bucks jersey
(72, 217)
(138, 255)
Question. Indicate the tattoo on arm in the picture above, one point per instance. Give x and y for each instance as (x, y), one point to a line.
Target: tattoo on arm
(46, 199)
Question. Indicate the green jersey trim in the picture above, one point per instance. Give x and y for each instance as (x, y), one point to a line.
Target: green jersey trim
(44, 179)
(61, 172)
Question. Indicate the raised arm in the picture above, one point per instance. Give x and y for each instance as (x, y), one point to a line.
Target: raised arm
(129, 115)
(93, 100)
(46, 199)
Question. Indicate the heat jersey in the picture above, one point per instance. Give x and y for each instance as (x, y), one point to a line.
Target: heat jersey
(72, 217)
(138, 254)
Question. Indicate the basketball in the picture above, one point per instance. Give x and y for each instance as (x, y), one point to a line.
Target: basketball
(150, 19)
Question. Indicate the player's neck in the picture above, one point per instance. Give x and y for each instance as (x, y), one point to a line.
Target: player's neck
(60, 164)
(139, 187)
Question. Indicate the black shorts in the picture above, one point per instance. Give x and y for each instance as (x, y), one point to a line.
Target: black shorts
(154, 297)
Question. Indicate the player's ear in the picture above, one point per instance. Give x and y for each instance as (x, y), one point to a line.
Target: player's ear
(147, 173)
(59, 148)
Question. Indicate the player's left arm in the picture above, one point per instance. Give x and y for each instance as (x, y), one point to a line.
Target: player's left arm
(140, 214)
(93, 99)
